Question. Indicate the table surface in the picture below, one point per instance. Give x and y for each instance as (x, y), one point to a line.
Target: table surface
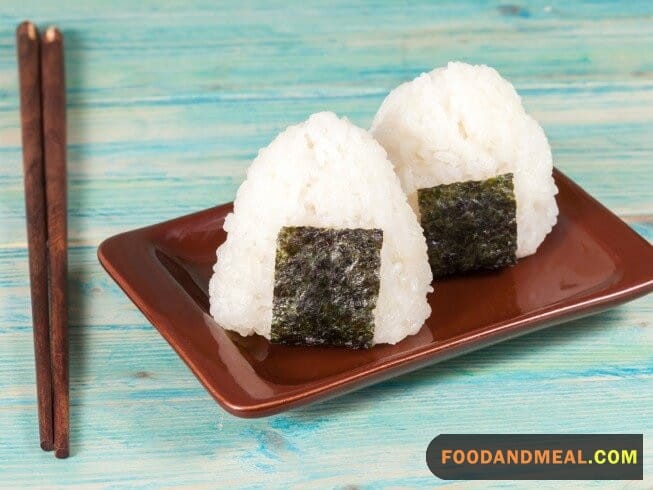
(168, 103)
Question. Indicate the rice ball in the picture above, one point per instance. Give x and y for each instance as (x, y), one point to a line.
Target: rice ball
(324, 172)
(466, 123)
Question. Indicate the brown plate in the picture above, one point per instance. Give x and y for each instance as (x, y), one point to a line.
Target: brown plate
(591, 261)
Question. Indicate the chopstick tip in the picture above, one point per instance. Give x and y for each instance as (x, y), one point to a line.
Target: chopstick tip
(61, 453)
(52, 34)
(26, 27)
(47, 445)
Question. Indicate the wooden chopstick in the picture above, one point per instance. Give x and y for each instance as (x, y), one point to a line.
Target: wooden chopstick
(27, 42)
(54, 144)
(43, 121)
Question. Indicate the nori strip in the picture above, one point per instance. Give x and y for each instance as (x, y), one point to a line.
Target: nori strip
(470, 225)
(326, 284)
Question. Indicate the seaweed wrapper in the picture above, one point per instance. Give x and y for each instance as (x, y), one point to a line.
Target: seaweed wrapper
(326, 284)
(470, 225)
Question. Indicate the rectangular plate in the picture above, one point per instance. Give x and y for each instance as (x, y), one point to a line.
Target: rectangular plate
(591, 261)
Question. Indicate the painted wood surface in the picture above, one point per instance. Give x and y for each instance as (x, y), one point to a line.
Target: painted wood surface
(169, 101)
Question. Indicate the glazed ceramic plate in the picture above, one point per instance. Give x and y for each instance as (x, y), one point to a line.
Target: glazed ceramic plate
(591, 261)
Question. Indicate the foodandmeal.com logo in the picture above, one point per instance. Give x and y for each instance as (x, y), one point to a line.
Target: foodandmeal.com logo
(536, 456)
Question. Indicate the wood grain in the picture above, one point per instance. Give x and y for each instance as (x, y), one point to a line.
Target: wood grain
(27, 42)
(161, 129)
(53, 91)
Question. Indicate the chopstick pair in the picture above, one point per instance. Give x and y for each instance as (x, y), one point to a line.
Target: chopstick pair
(43, 121)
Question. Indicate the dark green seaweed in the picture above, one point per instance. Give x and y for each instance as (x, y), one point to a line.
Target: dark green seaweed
(470, 225)
(326, 284)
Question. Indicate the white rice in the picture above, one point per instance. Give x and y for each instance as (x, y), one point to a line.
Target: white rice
(465, 122)
(323, 172)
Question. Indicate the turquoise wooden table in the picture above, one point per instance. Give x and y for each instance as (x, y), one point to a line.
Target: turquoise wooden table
(167, 104)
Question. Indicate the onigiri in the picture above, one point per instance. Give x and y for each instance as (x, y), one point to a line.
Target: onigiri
(322, 246)
(477, 169)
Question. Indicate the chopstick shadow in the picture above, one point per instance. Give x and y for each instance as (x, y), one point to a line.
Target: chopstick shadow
(80, 259)
(78, 314)
(448, 371)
